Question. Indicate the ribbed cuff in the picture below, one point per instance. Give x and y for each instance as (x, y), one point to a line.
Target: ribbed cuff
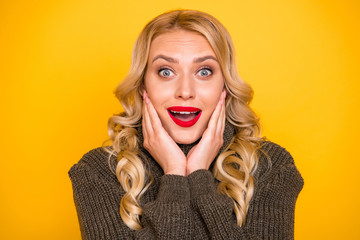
(201, 182)
(174, 188)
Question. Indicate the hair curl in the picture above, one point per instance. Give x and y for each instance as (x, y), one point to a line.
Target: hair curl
(234, 167)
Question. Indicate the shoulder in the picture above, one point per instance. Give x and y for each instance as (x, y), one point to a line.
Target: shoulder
(276, 162)
(277, 154)
(96, 162)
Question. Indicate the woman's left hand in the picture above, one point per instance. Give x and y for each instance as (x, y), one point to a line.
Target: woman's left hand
(202, 155)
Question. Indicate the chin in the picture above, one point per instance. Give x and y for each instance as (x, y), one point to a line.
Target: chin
(185, 140)
(186, 137)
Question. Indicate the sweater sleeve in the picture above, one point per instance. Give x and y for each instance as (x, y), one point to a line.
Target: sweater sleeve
(169, 216)
(97, 203)
(271, 211)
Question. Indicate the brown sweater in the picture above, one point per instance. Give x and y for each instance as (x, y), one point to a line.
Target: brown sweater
(177, 207)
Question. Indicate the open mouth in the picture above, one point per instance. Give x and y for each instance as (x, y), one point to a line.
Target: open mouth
(184, 116)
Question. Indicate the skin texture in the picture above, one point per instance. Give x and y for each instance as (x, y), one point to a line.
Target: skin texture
(182, 70)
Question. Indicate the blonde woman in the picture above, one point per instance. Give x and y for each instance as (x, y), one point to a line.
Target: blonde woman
(187, 160)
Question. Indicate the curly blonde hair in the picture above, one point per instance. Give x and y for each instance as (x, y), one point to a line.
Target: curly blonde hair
(234, 167)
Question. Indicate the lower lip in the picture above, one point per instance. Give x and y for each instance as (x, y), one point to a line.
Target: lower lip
(185, 124)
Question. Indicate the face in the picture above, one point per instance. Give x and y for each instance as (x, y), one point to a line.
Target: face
(184, 82)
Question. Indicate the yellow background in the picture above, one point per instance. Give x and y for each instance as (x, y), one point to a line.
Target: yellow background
(61, 60)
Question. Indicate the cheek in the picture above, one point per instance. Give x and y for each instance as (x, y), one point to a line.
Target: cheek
(159, 92)
(211, 96)
(153, 90)
(159, 96)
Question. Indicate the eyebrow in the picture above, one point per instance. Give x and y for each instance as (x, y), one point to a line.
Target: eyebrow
(173, 60)
(202, 59)
(169, 59)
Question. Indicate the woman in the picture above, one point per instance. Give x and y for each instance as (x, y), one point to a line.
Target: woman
(187, 160)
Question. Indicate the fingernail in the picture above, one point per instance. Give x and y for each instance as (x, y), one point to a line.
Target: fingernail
(146, 99)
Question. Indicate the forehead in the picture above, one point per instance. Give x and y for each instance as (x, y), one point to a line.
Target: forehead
(180, 41)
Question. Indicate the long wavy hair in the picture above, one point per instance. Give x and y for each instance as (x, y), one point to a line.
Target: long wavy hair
(234, 167)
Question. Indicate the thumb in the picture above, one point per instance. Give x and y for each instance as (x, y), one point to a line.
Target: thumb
(191, 151)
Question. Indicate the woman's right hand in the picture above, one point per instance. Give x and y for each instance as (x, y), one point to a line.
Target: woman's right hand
(158, 142)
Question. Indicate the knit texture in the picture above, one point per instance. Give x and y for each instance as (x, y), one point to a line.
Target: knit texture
(178, 207)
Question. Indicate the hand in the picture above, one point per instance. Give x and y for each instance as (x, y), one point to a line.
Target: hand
(202, 155)
(158, 142)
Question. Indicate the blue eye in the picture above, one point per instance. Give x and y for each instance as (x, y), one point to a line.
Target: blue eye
(165, 72)
(205, 72)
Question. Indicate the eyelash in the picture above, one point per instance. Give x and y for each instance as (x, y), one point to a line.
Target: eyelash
(164, 68)
(206, 68)
(169, 69)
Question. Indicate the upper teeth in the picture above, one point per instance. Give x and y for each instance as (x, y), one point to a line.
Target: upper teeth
(182, 112)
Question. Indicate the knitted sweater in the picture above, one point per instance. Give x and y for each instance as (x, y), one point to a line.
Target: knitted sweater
(178, 207)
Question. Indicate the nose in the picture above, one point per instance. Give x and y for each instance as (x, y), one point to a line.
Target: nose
(185, 88)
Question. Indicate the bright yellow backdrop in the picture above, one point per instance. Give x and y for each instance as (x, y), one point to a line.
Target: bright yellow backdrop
(61, 60)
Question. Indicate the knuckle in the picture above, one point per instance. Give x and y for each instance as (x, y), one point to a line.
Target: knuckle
(146, 144)
(218, 143)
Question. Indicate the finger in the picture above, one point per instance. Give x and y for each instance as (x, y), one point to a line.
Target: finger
(215, 116)
(144, 130)
(146, 120)
(221, 121)
(153, 116)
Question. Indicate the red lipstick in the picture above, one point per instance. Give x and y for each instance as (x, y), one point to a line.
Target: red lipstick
(184, 116)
